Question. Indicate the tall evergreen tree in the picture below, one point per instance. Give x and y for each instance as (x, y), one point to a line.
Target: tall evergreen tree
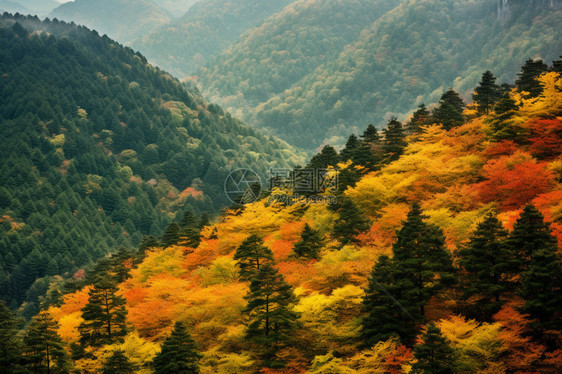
(423, 264)
(10, 345)
(251, 255)
(118, 363)
(485, 263)
(351, 149)
(270, 317)
(309, 245)
(530, 233)
(433, 355)
(394, 140)
(104, 315)
(44, 348)
(541, 287)
(527, 80)
(420, 118)
(351, 222)
(450, 110)
(487, 93)
(387, 313)
(190, 231)
(179, 353)
(327, 157)
(171, 235)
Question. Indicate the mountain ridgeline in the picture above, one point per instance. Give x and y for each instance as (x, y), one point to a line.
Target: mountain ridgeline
(408, 55)
(99, 148)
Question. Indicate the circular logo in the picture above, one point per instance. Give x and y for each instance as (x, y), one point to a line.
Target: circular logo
(242, 186)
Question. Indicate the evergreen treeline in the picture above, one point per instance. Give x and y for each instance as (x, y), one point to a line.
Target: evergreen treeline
(97, 146)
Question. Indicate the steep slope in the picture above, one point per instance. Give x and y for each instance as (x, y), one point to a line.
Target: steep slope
(449, 173)
(286, 47)
(98, 149)
(12, 7)
(176, 8)
(38, 7)
(123, 20)
(410, 55)
(207, 29)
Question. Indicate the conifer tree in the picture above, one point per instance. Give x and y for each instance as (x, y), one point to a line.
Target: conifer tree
(530, 233)
(269, 313)
(171, 235)
(309, 244)
(420, 118)
(327, 157)
(10, 345)
(351, 149)
(394, 140)
(485, 263)
(527, 80)
(190, 231)
(541, 287)
(44, 347)
(450, 110)
(423, 264)
(433, 355)
(387, 313)
(487, 93)
(251, 255)
(104, 315)
(118, 363)
(350, 223)
(179, 353)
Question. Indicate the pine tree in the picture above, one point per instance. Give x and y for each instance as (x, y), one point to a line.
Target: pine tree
(171, 235)
(387, 313)
(350, 223)
(450, 110)
(394, 140)
(502, 127)
(44, 348)
(487, 93)
(271, 319)
(327, 157)
(190, 231)
(179, 353)
(351, 149)
(118, 363)
(541, 287)
(530, 233)
(10, 345)
(104, 315)
(485, 263)
(433, 355)
(423, 264)
(420, 118)
(251, 255)
(527, 80)
(309, 245)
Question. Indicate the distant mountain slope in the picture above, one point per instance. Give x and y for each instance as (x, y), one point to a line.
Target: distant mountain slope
(286, 47)
(97, 146)
(207, 29)
(176, 8)
(38, 7)
(124, 20)
(412, 54)
(12, 7)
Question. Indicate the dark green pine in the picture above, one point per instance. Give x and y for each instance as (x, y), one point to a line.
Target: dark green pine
(251, 255)
(449, 113)
(387, 313)
(179, 353)
(309, 245)
(485, 264)
(420, 118)
(527, 80)
(394, 140)
(423, 264)
(10, 346)
(487, 93)
(118, 363)
(433, 355)
(171, 235)
(327, 157)
(350, 223)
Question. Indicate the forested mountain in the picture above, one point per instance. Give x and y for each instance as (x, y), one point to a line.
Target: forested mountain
(286, 47)
(11, 7)
(207, 29)
(100, 148)
(123, 20)
(176, 8)
(439, 251)
(35, 7)
(410, 55)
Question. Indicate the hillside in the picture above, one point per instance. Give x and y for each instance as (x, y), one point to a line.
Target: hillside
(410, 55)
(99, 148)
(35, 7)
(123, 20)
(285, 48)
(207, 29)
(423, 261)
(175, 8)
(11, 7)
